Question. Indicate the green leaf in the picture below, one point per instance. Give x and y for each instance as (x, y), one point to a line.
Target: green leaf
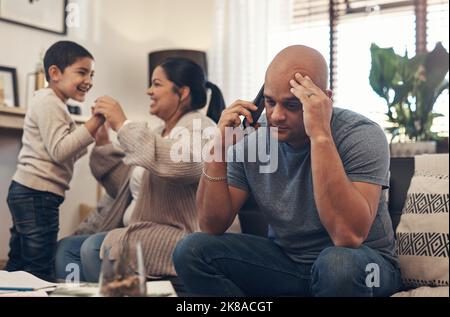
(410, 88)
(436, 67)
(383, 69)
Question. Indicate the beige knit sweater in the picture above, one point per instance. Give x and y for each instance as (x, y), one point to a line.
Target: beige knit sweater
(51, 143)
(165, 210)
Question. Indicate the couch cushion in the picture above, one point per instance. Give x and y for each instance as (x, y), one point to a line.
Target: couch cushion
(423, 231)
(424, 291)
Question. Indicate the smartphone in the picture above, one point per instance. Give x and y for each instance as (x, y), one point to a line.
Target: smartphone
(259, 102)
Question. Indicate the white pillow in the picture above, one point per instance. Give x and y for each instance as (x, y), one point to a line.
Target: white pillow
(424, 291)
(423, 231)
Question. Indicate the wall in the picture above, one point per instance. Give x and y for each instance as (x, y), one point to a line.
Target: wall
(119, 34)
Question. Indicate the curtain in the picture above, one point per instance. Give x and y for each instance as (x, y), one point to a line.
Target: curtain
(242, 48)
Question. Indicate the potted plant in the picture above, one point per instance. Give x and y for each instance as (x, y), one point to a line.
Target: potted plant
(410, 87)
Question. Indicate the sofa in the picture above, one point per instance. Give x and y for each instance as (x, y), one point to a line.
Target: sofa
(402, 171)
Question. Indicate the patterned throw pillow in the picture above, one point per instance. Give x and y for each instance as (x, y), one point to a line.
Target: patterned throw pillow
(423, 231)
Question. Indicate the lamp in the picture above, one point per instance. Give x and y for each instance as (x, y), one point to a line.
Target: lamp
(155, 58)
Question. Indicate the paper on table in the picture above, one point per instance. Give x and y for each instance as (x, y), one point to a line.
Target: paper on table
(38, 293)
(21, 280)
(76, 290)
(160, 288)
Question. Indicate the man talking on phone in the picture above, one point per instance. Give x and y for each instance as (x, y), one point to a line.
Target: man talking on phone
(330, 230)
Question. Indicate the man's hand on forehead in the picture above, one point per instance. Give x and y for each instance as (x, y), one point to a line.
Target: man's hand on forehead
(317, 106)
(304, 87)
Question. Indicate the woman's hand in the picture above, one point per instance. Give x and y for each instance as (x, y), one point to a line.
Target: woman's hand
(111, 110)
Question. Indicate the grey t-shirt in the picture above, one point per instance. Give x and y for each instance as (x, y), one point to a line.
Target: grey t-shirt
(286, 196)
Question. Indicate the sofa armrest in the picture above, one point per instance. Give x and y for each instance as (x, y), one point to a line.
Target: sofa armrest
(401, 173)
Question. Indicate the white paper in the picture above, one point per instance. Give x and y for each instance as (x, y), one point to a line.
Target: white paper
(160, 288)
(22, 280)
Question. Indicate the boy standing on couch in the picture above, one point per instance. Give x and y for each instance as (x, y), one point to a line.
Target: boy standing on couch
(51, 144)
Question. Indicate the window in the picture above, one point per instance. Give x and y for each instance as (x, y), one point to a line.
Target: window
(353, 60)
(438, 31)
(352, 26)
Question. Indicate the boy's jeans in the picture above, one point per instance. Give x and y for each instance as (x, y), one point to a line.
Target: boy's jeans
(34, 231)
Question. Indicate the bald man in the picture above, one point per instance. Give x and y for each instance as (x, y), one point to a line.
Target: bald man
(330, 230)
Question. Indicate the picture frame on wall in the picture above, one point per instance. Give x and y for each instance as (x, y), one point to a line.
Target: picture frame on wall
(44, 15)
(9, 96)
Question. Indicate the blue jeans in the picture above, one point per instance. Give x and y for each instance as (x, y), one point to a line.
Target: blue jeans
(83, 251)
(34, 232)
(246, 265)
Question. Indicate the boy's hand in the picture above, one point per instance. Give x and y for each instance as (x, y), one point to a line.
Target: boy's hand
(95, 122)
(102, 136)
(111, 110)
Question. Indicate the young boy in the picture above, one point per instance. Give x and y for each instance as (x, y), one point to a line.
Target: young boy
(51, 144)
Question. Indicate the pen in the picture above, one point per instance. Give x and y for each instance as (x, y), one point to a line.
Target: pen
(19, 289)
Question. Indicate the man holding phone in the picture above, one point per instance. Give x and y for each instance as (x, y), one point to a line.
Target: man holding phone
(331, 234)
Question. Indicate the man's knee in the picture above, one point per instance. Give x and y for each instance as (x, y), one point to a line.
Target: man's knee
(337, 267)
(188, 248)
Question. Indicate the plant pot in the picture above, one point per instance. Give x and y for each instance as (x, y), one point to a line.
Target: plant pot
(412, 148)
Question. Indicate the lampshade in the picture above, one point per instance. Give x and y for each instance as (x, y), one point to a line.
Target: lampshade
(155, 58)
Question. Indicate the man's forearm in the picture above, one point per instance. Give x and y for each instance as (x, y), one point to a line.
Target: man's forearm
(342, 209)
(213, 199)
